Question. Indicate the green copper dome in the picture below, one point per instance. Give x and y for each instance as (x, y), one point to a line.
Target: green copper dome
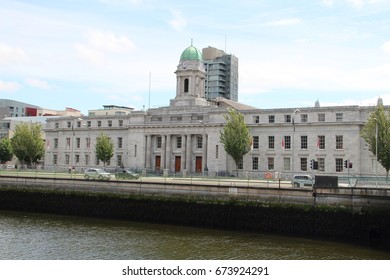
(191, 53)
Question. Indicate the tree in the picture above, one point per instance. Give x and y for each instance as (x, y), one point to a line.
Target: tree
(381, 119)
(235, 136)
(27, 143)
(6, 153)
(104, 148)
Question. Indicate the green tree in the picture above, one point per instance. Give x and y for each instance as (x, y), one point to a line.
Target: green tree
(104, 148)
(235, 136)
(6, 153)
(27, 143)
(378, 119)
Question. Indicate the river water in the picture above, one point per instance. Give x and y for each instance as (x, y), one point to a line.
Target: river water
(27, 236)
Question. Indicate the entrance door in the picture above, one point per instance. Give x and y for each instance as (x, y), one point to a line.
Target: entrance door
(158, 163)
(198, 164)
(177, 163)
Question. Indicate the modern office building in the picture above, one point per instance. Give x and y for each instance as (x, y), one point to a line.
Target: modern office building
(183, 137)
(221, 74)
(12, 108)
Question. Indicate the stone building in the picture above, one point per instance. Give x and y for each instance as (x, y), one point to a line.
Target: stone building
(183, 138)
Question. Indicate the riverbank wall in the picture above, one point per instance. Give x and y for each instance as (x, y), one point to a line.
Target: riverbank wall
(226, 210)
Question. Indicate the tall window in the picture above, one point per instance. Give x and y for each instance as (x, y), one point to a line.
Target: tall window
(339, 165)
(86, 160)
(178, 142)
(271, 142)
(199, 142)
(119, 160)
(135, 150)
(303, 164)
(77, 158)
(287, 118)
(216, 151)
(55, 143)
(286, 164)
(67, 159)
(339, 142)
(78, 141)
(321, 117)
(159, 141)
(321, 164)
(256, 142)
(109, 122)
(120, 142)
(87, 142)
(186, 85)
(339, 117)
(271, 118)
(68, 143)
(271, 163)
(240, 165)
(304, 142)
(287, 142)
(120, 122)
(255, 163)
(321, 142)
(55, 158)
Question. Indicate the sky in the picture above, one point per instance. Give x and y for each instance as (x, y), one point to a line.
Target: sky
(85, 54)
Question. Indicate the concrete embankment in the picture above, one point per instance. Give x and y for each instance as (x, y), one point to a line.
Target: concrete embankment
(267, 210)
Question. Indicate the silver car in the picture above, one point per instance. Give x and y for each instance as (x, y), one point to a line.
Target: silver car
(302, 180)
(96, 173)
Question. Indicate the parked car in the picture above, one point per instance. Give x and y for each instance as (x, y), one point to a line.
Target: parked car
(302, 180)
(126, 174)
(96, 173)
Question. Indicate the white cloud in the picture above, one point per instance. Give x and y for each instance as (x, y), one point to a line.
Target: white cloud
(121, 2)
(287, 21)
(356, 3)
(328, 3)
(386, 47)
(109, 42)
(9, 54)
(8, 86)
(178, 22)
(99, 44)
(360, 3)
(41, 84)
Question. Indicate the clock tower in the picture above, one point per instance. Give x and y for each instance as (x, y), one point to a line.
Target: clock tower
(190, 76)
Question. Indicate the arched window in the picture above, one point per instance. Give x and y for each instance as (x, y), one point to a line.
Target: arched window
(186, 82)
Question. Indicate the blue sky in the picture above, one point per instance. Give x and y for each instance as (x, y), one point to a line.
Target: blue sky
(88, 53)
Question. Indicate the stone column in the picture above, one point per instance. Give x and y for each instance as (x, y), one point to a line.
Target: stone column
(148, 151)
(163, 151)
(183, 152)
(168, 153)
(188, 153)
(204, 152)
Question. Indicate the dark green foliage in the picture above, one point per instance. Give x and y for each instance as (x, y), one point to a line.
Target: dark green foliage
(6, 153)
